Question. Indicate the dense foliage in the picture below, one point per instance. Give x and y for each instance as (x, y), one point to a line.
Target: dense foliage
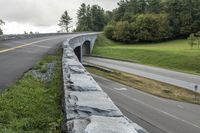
(153, 20)
(91, 18)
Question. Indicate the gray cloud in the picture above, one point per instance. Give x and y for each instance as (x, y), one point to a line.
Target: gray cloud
(44, 12)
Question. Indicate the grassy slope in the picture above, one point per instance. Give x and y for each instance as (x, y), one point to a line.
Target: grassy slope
(32, 105)
(172, 54)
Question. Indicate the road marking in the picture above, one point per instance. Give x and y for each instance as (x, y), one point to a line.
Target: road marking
(41, 46)
(120, 89)
(27, 44)
(139, 91)
(180, 106)
(154, 108)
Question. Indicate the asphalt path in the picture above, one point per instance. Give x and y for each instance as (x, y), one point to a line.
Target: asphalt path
(18, 56)
(156, 115)
(183, 80)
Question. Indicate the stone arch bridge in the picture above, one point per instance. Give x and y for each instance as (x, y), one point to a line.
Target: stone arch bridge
(82, 44)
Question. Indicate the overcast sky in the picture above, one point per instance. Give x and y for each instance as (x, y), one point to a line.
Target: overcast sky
(41, 15)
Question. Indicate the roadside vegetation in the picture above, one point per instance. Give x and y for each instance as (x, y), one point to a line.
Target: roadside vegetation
(33, 105)
(147, 85)
(176, 54)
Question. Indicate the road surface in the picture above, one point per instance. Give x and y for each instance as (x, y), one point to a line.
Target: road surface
(156, 115)
(184, 80)
(18, 56)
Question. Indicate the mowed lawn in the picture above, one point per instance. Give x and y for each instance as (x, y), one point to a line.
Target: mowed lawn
(176, 55)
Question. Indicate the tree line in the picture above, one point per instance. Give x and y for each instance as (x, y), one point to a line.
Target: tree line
(153, 20)
(89, 18)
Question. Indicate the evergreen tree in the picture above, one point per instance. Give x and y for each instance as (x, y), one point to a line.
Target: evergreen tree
(97, 18)
(83, 17)
(90, 18)
(1, 23)
(65, 21)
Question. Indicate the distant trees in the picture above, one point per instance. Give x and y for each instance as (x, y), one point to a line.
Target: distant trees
(64, 22)
(154, 20)
(184, 16)
(145, 27)
(1, 23)
(91, 18)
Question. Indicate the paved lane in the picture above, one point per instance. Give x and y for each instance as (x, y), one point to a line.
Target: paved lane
(18, 56)
(157, 115)
(184, 80)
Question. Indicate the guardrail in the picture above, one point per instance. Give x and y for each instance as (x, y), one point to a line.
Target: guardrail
(24, 36)
(88, 109)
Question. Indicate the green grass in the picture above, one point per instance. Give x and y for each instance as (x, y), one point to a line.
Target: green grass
(32, 105)
(176, 54)
(149, 86)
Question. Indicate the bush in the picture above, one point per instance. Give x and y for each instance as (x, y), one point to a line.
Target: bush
(122, 31)
(152, 27)
(108, 31)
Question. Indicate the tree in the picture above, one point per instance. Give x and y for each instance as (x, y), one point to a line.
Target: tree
(97, 18)
(120, 11)
(108, 16)
(91, 18)
(25, 32)
(1, 23)
(83, 17)
(154, 6)
(64, 22)
(198, 38)
(184, 16)
(191, 40)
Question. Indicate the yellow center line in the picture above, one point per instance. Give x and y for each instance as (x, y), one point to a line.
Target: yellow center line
(27, 44)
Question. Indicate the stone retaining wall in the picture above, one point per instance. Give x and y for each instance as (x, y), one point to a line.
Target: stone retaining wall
(88, 109)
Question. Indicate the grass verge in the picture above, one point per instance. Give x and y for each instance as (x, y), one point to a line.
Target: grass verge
(176, 55)
(149, 86)
(32, 105)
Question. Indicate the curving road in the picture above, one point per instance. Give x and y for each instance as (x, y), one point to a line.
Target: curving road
(156, 115)
(183, 80)
(18, 56)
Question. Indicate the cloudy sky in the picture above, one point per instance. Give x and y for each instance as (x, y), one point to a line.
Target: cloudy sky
(41, 15)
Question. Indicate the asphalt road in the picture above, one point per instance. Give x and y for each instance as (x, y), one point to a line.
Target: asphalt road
(18, 56)
(184, 80)
(156, 115)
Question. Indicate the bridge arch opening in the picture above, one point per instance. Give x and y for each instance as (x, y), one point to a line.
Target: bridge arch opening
(83, 50)
(86, 48)
(78, 53)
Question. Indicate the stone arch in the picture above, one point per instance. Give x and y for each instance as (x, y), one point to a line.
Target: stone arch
(86, 48)
(78, 52)
(82, 44)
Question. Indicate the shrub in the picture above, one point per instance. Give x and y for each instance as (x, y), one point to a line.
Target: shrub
(122, 31)
(108, 31)
(152, 27)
